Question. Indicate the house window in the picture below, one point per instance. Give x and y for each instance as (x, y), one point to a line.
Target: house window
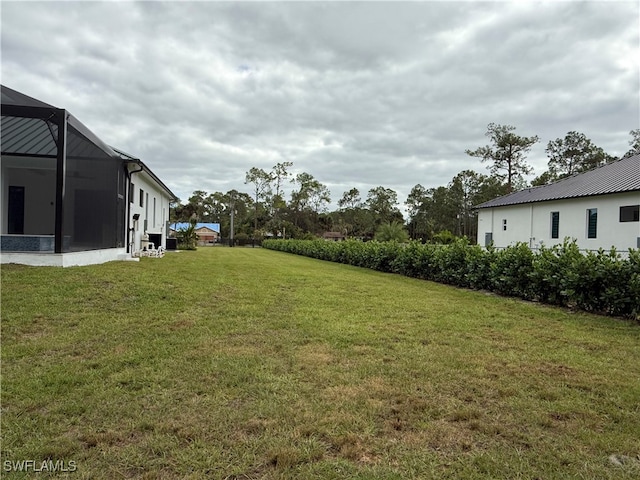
(504, 224)
(555, 224)
(592, 223)
(132, 192)
(630, 213)
(154, 212)
(141, 198)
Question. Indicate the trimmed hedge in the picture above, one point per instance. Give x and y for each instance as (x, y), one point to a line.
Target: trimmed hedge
(600, 282)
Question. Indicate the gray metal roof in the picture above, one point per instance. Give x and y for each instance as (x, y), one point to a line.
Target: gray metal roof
(10, 96)
(620, 176)
(36, 136)
(28, 136)
(28, 130)
(127, 157)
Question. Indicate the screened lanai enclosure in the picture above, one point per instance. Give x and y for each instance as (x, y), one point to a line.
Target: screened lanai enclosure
(63, 189)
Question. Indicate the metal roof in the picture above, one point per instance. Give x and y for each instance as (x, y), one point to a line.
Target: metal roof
(36, 136)
(29, 129)
(28, 136)
(127, 157)
(620, 176)
(13, 97)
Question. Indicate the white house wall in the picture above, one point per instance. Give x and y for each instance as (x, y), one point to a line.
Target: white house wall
(531, 223)
(155, 209)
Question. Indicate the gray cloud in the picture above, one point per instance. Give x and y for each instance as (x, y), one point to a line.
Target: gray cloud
(358, 94)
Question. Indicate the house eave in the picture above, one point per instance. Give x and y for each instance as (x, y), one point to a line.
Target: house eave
(130, 160)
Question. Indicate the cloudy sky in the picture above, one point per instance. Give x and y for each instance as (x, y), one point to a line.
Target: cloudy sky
(358, 94)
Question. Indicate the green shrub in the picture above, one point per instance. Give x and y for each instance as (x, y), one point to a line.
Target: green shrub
(511, 270)
(601, 282)
(631, 280)
(407, 260)
(549, 277)
(478, 266)
(451, 263)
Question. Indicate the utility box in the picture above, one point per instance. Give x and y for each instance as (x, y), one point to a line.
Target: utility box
(488, 239)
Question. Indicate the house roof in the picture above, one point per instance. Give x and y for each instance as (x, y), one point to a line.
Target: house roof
(205, 230)
(13, 97)
(133, 160)
(36, 136)
(28, 129)
(214, 227)
(617, 177)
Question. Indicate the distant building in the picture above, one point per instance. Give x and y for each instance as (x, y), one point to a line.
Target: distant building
(598, 208)
(208, 233)
(334, 236)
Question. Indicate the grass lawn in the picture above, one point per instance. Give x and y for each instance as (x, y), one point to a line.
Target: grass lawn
(247, 363)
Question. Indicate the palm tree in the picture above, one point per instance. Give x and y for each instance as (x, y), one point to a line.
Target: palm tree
(392, 232)
(187, 237)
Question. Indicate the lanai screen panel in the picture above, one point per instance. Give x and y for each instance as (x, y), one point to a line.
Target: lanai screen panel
(93, 203)
(93, 210)
(29, 164)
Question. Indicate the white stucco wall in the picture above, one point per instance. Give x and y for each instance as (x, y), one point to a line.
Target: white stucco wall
(155, 209)
(531, 223)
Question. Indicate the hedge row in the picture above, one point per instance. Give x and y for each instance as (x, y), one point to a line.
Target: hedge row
(601, 282)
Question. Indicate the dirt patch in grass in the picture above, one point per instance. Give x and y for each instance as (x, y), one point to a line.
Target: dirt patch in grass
(312, 355)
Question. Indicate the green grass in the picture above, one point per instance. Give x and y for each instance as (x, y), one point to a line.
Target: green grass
(246, 363)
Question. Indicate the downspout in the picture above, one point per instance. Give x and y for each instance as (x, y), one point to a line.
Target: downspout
(531, 237)
(493, 239)
(128, 174)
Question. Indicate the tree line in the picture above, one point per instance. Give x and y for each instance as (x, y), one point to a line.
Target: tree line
(434, 214)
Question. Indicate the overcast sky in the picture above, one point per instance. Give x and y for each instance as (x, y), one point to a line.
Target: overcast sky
(360, 94)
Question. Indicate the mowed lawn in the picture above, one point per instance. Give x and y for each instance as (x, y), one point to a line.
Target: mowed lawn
(252, 364)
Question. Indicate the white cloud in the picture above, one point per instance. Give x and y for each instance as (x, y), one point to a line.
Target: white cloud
(357, 94)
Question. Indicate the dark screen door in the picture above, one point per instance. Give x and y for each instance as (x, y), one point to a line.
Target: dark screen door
(15, 217)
